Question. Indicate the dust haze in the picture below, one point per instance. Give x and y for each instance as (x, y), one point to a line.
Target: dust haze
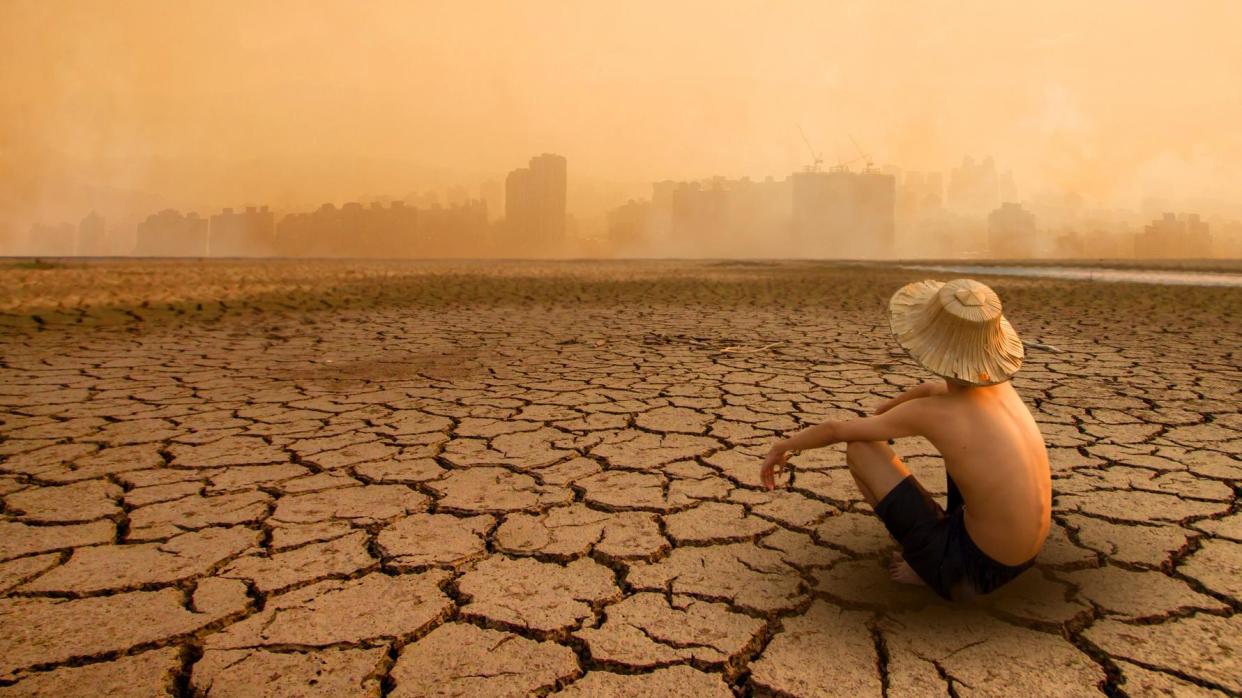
(410, 118)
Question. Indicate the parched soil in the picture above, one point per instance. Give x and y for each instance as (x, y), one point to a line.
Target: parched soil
(344, 478)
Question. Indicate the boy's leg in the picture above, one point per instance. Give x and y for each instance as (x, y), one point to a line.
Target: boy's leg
(877, 470)
(908, 512)
(875, 467)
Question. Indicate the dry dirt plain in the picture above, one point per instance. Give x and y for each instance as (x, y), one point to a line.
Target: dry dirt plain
(359, 479)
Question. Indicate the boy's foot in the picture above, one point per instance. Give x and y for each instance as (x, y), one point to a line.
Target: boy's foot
(901, 571)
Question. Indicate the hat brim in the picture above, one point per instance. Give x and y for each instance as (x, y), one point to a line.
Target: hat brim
(1008, 352)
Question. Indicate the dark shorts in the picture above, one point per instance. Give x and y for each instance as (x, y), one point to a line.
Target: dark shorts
(935, 543)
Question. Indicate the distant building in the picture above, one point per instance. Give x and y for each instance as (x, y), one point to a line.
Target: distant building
(943, 234)
(835, 214)
(171, 234)
(629, 227)
(1227, 239)
(456, 195)
(723, 217)
(307, 234)
(658, 231)
(700, 215)
(717, 217)
(251, 233)
(93, 236)
(662, 208)
(58, 240)
(454, 231)
(1171, 237)
(919, 192)
(535, 206)
(1011, 232)
(977, 187)
(393, 231)
(425, 199)
(492, 193)
(1070, 245)
(844, 215)
(1064, 210)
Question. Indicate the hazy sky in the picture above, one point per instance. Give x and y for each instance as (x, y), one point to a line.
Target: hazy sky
(232, 102)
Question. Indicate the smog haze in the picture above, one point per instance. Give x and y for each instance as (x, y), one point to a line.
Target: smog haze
(129, 107)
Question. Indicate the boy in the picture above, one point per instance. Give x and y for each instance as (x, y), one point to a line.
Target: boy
(999, 487)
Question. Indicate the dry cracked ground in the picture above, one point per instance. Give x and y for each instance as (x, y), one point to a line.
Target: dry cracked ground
(363, 479)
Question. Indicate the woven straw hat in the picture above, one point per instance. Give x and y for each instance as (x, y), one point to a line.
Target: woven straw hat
(956, 330)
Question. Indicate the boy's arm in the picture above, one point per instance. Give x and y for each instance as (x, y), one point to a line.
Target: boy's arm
(906, 419)
(919, 391)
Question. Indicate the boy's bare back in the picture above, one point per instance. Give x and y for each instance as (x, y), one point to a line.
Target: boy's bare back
(993, 450)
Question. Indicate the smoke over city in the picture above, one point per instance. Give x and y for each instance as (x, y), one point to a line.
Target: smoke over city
(806, 129)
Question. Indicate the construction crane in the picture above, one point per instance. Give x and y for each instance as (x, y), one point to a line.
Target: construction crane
(862, 156)
(843, 165)
(817, 160)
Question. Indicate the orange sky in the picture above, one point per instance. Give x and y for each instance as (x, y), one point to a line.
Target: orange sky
(222, 102)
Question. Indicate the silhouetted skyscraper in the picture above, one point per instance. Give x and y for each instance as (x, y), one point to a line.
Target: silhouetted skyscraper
(700, 214)
(721, 217)
(492, 193)
(393, 231)
(917, 192)
(171, 234)
(248, 234)
(844, 215)
(92, 236)
(628, 226)
(1171, 237)
(976, 187)
(456, 195)
(1011, 232)
(535, 206)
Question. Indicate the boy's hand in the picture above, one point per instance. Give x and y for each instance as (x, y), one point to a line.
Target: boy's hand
(773, 464)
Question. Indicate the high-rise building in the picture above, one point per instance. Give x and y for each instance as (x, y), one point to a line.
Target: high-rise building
(492, 193)
(535, 206)
(844, 215)
(92, 236)
(1171, 237)
(1011, 232)
(943, 234)
(171, 234)
(393, 231)
(456, 195)
(977, 187)
(251, 233)
(722, 217)
(628, 227)
(1227, 239)
(917, 192)
(700, 214)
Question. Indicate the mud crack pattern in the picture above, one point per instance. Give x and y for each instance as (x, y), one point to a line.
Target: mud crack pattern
(410, 479)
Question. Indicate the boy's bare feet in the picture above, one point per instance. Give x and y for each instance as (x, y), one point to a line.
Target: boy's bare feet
(901, 571)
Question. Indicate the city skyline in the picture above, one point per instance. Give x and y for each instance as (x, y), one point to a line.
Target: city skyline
(274, 105)
(951, 188)
(838, 213)
(1093, 124)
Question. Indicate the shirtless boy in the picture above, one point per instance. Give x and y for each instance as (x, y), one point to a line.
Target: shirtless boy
(996, 466)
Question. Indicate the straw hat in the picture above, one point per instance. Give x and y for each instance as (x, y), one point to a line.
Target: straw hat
(956, 330)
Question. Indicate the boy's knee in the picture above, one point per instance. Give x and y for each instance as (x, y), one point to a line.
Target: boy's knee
(856, 450)
(852, 451)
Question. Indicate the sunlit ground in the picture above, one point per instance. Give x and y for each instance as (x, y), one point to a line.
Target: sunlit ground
(487, 477)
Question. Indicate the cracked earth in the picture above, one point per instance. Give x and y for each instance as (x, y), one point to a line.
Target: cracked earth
(409, 479)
